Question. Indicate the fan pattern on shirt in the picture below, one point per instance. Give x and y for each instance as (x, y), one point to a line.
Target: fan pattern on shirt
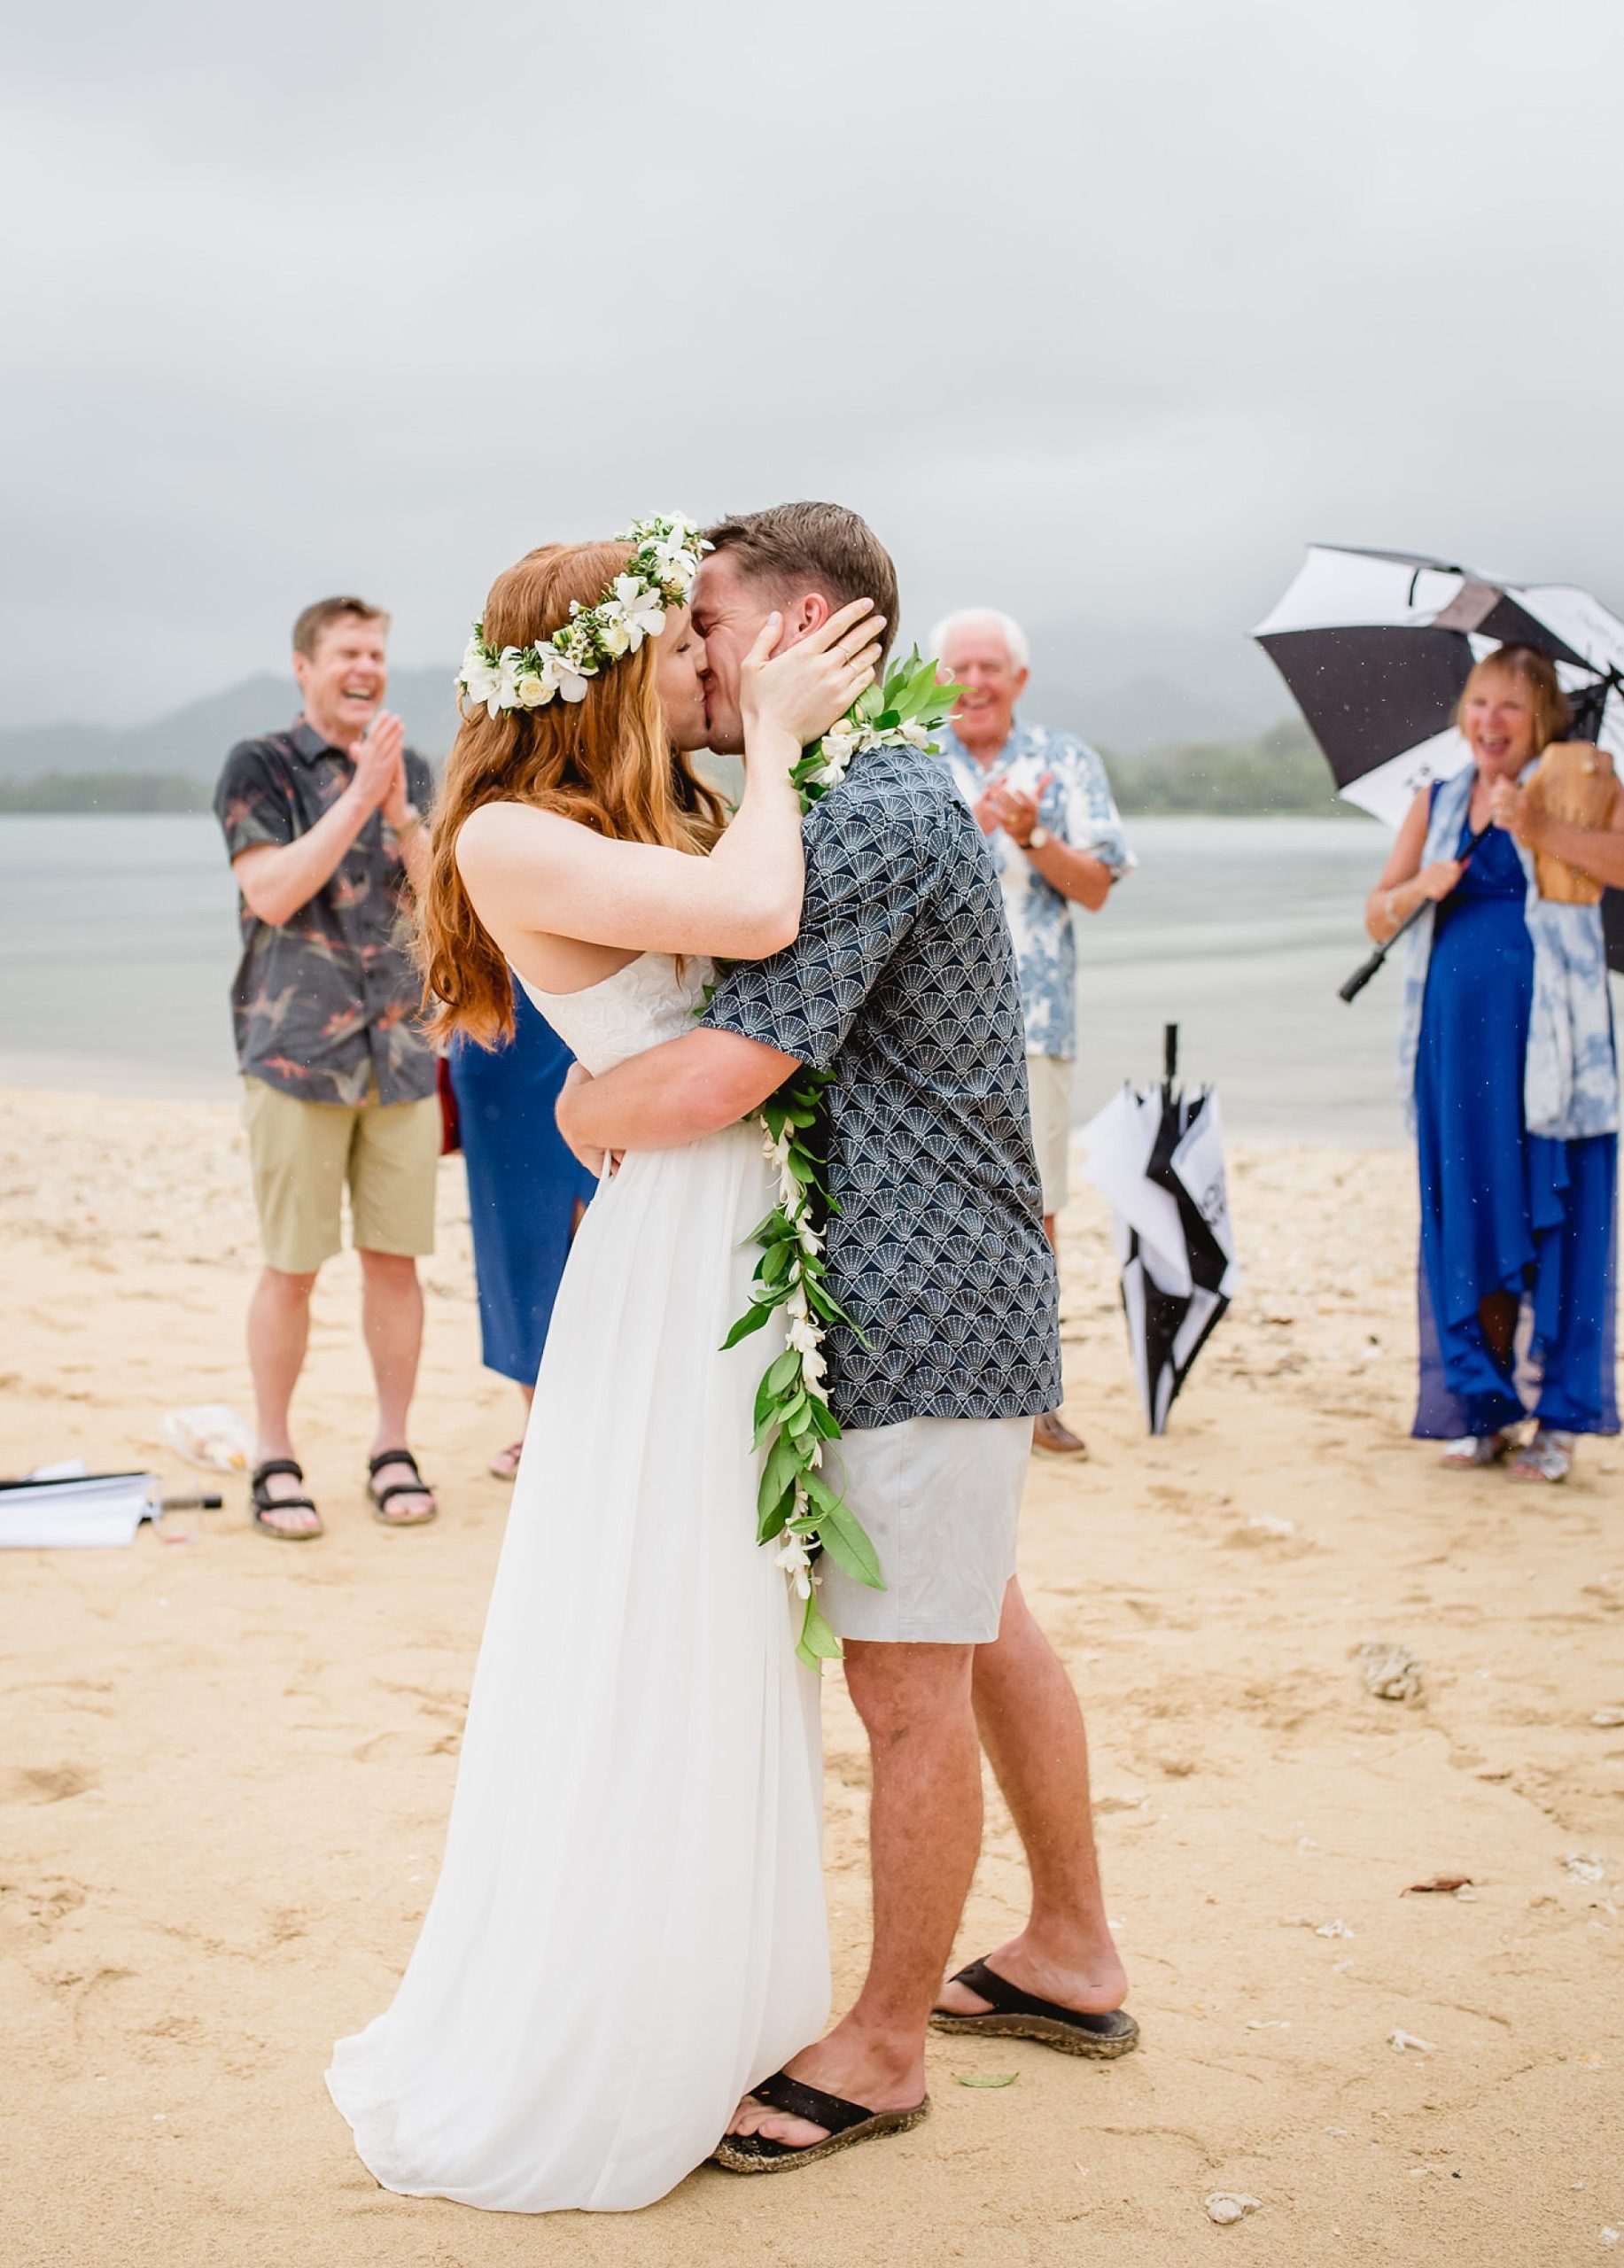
(903, 978)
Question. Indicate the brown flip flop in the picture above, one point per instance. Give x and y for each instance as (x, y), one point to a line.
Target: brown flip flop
(848, 2123)
(1014, 2015)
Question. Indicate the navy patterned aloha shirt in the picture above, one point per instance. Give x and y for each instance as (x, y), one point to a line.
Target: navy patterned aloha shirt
(326, 1002)
(904, 980)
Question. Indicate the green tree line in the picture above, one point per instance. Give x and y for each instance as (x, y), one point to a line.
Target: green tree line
(1280, 772)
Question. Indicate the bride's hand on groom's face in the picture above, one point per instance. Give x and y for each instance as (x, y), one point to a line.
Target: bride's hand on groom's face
(802, 690)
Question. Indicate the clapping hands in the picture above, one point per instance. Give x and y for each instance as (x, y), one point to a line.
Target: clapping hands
(1004, 806)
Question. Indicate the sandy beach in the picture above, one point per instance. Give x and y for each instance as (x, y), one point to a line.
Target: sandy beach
(225, 1765)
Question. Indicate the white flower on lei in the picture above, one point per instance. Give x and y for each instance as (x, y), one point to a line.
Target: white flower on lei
(839, 745)
(795, 1561)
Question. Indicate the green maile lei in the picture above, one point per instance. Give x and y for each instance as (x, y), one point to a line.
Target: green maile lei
(796, 1509)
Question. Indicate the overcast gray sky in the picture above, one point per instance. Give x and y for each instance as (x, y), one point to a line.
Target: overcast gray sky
(1098, 312)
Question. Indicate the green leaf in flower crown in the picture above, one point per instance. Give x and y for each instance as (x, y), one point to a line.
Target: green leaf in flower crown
(870, 701)
(787, 1367)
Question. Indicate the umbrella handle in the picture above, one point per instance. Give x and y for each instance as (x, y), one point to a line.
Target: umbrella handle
(1362, 976)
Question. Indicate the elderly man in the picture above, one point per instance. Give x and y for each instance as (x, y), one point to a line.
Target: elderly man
(325, 830)
(1045, 804)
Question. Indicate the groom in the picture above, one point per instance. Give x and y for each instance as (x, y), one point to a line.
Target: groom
(903, 978)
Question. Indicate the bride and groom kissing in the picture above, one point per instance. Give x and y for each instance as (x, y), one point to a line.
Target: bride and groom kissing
(624, 1970)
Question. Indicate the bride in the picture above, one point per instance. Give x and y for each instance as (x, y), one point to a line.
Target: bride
(628, 1929)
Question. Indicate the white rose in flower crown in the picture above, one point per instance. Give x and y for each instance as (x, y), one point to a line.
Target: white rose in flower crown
(673, 562)
(615, 632)
(534, 689)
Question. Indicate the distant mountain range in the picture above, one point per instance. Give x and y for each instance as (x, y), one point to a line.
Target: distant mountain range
(191, 743)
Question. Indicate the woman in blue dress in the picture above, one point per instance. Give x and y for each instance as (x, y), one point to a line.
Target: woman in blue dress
(1507, 1056)
(525, 1193)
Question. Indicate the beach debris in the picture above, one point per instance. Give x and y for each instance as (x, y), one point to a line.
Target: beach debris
(1400, 2041)
(986, 2078)
(1449, 1883)
(1584, 1866)
(1227, 2206)
(1266, 1528)
(1609, 2236)
(1268, 2023)
(1607, 1718)
(1392, 1673)
(1333, 1929)
(213, 1436)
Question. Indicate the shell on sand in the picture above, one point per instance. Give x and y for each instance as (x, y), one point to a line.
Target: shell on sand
(1575, 783)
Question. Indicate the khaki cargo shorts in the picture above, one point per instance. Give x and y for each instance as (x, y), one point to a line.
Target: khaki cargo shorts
(304, 1153)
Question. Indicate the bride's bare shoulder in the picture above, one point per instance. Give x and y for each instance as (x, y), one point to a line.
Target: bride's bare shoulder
(496, 836)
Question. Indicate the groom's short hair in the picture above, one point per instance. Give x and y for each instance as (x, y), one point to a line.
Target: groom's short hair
(817, 546)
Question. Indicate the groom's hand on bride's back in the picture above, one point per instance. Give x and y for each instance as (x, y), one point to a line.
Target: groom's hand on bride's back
(604, 1163)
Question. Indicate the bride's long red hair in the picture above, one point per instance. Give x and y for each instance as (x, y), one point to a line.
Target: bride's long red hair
(606, 761)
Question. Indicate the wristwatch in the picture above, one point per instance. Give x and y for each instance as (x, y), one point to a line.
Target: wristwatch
(1037, 839)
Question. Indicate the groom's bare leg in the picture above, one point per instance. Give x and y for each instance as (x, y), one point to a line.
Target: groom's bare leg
(924, 1838)
(1032, 1729)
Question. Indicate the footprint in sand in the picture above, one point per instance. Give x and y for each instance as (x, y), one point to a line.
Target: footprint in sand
(48, 1783)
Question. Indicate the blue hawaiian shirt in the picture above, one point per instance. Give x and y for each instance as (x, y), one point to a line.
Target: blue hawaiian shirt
(1076, 806)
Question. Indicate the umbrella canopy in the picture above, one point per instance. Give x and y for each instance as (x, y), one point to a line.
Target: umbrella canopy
(1376, 647)
(1158, 1155)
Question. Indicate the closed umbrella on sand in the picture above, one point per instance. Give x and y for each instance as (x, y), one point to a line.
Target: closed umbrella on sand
(1157, 1154)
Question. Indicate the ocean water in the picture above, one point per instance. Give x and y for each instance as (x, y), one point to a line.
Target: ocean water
(118, 940)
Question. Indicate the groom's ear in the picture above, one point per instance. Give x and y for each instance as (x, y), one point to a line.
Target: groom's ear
(802, 616)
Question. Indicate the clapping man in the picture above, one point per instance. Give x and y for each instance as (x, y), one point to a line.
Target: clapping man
(1045, 806)
(325, 830)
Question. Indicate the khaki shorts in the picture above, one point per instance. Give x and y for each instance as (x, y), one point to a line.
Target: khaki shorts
(1049, 1078)
(304, 1153)
(940, 1500)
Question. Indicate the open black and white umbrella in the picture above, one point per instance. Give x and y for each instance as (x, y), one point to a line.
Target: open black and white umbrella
(1158, 1155)
(1376, 647)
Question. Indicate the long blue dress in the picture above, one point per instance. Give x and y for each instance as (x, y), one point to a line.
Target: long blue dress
(523, 1184)
(1502, 1209)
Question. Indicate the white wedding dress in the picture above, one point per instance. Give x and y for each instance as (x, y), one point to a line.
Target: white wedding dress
(628, 1931)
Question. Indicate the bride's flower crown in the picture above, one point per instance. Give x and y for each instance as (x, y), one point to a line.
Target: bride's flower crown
(659, 574)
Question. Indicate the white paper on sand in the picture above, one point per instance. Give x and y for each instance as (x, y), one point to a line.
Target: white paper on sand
(58, 1506)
